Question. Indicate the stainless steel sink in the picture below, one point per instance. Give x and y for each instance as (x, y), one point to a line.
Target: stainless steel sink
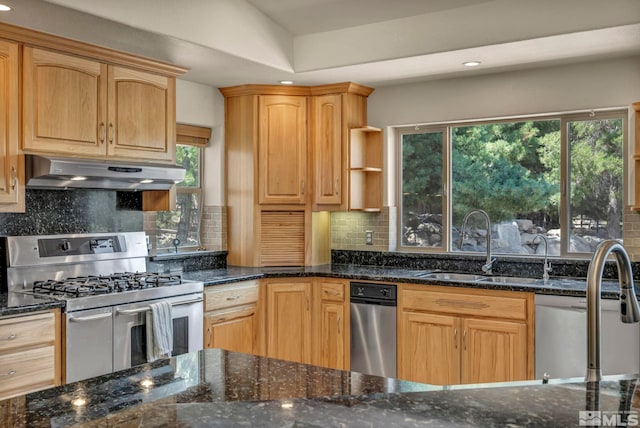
(452, 276)
(509, 280)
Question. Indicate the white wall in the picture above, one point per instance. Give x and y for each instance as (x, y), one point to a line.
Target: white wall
(601, 84)
(203, 105)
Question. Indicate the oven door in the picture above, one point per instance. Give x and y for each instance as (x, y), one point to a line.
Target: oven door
(130, 331)
(89, 341)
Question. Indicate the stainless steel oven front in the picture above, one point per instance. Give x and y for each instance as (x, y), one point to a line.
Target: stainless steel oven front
(129, 329)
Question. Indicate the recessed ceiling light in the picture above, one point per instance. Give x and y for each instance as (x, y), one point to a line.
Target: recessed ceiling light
(471, 63)
(286, 82)
(4, 8)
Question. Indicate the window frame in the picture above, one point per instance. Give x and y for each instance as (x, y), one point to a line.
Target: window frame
(564, 118)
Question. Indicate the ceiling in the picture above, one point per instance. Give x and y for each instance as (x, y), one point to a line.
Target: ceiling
(373, 42)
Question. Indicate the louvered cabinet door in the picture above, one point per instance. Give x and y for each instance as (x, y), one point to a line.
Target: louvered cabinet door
(282, 238)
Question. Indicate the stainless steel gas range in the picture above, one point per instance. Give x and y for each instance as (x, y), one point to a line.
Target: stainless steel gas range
(103, 280)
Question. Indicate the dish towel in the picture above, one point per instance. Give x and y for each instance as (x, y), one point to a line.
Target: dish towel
(159, 331)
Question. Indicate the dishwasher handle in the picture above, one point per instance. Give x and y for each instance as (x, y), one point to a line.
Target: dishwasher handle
(369, 301)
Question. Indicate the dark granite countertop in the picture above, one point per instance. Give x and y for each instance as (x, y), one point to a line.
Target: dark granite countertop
(220, 388)
(555, 285)
(16, 303)
(19, 303)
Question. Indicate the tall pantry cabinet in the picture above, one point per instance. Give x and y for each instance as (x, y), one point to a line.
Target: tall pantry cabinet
(11, 160)
(286, 151)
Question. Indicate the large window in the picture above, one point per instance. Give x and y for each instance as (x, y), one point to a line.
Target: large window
(182, 226)
(560, 177)
(183, 223)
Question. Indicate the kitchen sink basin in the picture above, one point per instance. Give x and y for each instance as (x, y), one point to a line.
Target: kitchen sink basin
(509, 280)
(452, 276)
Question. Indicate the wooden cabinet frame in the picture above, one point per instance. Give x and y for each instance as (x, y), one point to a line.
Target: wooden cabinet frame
(451, 335)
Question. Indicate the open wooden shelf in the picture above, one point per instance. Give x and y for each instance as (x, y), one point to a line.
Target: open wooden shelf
(365, 169)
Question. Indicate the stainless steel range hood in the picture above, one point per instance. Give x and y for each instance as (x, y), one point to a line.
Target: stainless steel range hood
(61, 173)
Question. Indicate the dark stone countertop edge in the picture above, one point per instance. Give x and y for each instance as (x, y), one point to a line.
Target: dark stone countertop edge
(564, 286)
(6, 311)
(575, 287)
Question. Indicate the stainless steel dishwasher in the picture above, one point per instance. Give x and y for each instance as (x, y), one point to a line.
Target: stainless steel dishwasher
(373, 328)
(561, 338)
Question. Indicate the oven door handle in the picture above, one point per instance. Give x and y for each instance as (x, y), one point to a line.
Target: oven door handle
(90, 317)
(148, 308)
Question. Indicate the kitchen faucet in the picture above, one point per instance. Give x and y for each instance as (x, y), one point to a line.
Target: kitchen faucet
(546, 266)
(629, 309)
(488, 266)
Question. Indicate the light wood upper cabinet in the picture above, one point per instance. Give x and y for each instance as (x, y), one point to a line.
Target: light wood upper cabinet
(335, 111)
(11, 161)
(142, 115)
(282, 149)
(81, 107)
(326, 137)
(64, 104)
(286, 150)
(450, 336)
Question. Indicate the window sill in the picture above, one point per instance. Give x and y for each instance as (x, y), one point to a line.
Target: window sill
(184, 255)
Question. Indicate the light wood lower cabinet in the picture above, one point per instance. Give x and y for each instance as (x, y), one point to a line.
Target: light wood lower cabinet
(451, 336)
(331, 323)
(30, 357)
(231, 317)
(288, 319)
(307, 320)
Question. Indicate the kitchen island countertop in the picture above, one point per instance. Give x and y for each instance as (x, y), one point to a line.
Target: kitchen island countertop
(219, 388)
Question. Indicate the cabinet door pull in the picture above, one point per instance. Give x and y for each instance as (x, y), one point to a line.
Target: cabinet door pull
(103, 132)
(14, 178)
(303, 187)
(455, 338)
(230, 298)
(337, 188)
(12, 336)
(10, 373)
(464, 339)
(111, 133)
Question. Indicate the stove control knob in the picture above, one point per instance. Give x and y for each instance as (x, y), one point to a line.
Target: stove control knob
(65, 246)
(385, 292)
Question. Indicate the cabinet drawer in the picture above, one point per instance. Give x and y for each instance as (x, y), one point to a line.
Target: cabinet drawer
(227, 296)
(333, 291)
(226, 315)
(27, 331)
(27, 370)
(454, 302)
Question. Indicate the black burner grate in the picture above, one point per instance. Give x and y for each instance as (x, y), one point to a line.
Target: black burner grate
(103, 284)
